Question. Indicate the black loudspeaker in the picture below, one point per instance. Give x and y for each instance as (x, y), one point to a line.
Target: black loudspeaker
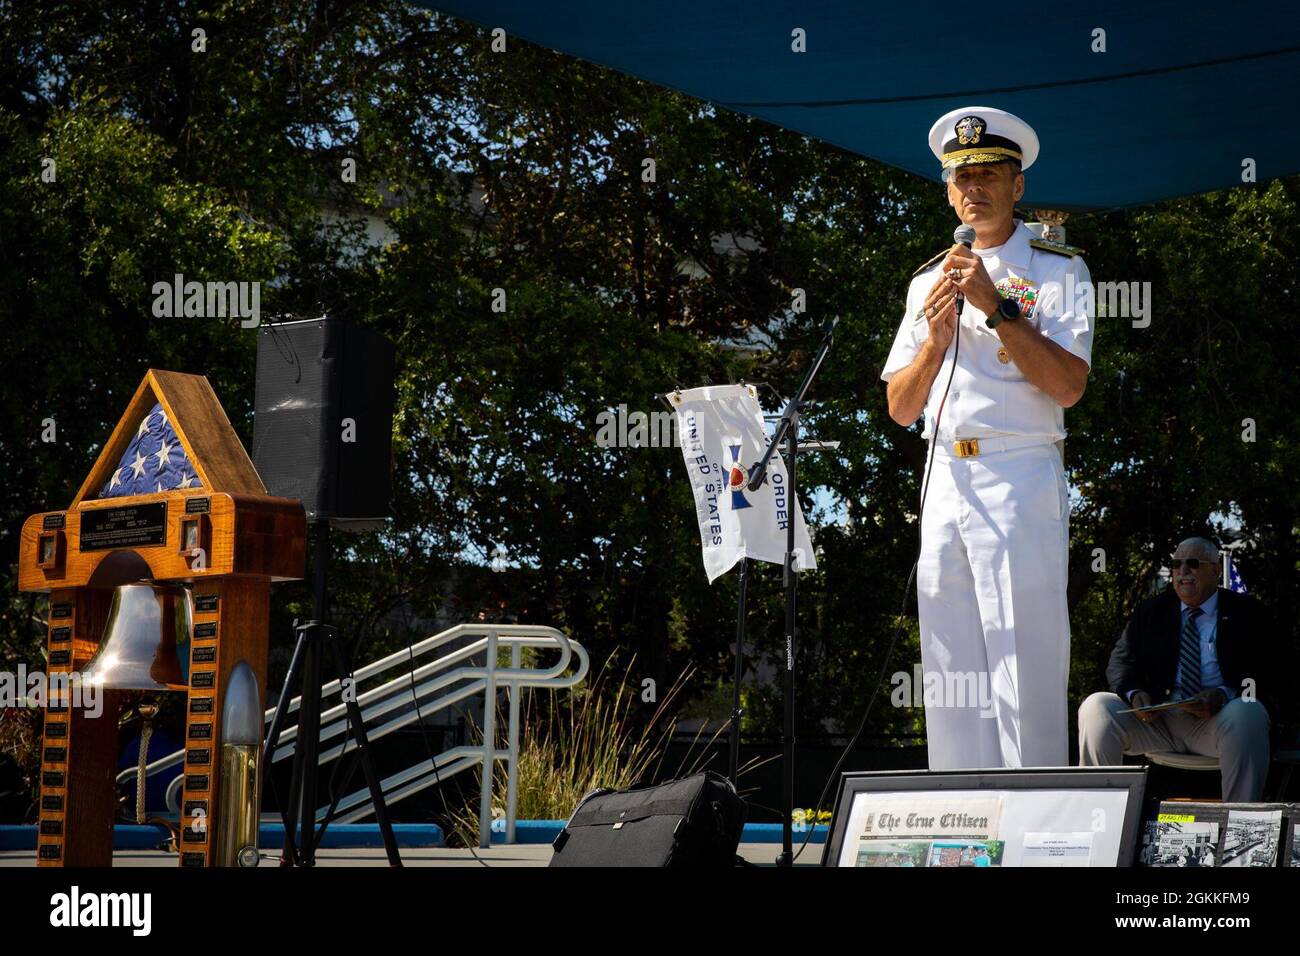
(323, 426)
(692, 822)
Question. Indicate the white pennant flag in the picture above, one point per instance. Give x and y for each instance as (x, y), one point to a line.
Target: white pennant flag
(722, 437)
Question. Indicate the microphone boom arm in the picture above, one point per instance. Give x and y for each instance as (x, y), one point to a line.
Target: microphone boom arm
(758, 474)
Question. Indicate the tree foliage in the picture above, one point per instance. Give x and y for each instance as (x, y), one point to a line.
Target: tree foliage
(525, 172)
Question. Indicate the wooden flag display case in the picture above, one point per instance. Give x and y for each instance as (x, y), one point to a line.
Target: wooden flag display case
(223, 537)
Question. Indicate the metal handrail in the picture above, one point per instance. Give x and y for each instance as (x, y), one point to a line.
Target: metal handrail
(397, 694)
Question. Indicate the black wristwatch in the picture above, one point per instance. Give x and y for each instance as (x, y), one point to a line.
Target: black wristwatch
(1008, 310)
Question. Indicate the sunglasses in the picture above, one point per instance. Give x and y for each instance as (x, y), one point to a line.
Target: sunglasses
(1193, 564)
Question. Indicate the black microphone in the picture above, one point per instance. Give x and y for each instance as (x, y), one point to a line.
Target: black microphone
(963, 235)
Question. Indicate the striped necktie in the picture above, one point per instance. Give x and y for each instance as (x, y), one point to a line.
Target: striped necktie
(1189, 655)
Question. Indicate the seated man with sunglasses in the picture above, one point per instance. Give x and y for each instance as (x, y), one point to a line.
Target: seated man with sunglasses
(1198, 643)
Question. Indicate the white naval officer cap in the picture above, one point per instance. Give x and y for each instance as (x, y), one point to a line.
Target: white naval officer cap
(976, 135)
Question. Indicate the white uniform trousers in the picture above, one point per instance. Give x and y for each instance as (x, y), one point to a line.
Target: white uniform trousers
(994, 625)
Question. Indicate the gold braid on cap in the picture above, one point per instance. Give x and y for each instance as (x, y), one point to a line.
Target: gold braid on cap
(987, 154)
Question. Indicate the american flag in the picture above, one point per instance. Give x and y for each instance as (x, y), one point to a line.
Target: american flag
(1235, 583)
(154, 461)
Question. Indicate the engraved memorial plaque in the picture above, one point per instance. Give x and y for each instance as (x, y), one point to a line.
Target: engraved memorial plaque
(104, 529)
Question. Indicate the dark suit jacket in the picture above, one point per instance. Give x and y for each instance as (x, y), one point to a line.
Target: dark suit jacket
(1146, 655)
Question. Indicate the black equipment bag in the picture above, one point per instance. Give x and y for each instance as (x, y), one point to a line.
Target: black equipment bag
(692, 822)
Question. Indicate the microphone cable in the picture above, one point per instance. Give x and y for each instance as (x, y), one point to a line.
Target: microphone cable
(907, 590)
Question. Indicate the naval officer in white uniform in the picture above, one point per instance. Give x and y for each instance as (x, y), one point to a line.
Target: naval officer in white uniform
(994, 625)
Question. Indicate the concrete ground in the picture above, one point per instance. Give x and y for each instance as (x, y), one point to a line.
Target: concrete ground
(762, 854)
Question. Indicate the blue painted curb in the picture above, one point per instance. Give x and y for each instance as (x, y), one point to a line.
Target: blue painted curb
(545, 831)
(771, 833)
(270, 836)
(125, 837)
(342, 835)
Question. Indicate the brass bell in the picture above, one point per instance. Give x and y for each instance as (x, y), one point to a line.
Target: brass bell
(146, 622)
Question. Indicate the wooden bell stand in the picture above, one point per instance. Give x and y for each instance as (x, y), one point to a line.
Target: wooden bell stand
(228, 539)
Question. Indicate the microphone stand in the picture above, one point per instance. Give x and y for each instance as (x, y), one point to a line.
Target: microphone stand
(787, 430)
(733, 747)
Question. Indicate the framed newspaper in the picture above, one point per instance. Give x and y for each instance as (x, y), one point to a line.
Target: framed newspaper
(1035, 817)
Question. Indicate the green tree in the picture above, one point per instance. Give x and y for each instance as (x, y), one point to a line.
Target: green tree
(527, 173)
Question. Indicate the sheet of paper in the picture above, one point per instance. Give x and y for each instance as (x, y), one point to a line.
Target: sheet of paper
(1156, 708)
(1057, 849)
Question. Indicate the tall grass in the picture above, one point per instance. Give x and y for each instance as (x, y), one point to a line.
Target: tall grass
(591, 737)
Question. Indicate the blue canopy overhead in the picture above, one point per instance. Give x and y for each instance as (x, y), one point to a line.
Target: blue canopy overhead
(1184, 93)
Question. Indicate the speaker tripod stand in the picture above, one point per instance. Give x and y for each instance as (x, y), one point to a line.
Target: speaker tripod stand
(314, 641)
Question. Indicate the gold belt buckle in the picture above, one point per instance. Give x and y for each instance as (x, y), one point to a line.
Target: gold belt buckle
(967, 448)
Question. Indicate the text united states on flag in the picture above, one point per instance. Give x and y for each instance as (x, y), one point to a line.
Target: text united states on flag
(154, 461)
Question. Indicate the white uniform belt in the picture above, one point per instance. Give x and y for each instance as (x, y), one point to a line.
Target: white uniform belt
(975, 447)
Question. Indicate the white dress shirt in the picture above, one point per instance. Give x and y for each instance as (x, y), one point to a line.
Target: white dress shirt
(989, 397)
(1207, 625)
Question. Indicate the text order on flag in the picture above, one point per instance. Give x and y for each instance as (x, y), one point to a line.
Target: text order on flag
(722, 437)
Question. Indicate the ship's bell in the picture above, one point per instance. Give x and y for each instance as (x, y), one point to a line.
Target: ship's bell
(146, 622)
